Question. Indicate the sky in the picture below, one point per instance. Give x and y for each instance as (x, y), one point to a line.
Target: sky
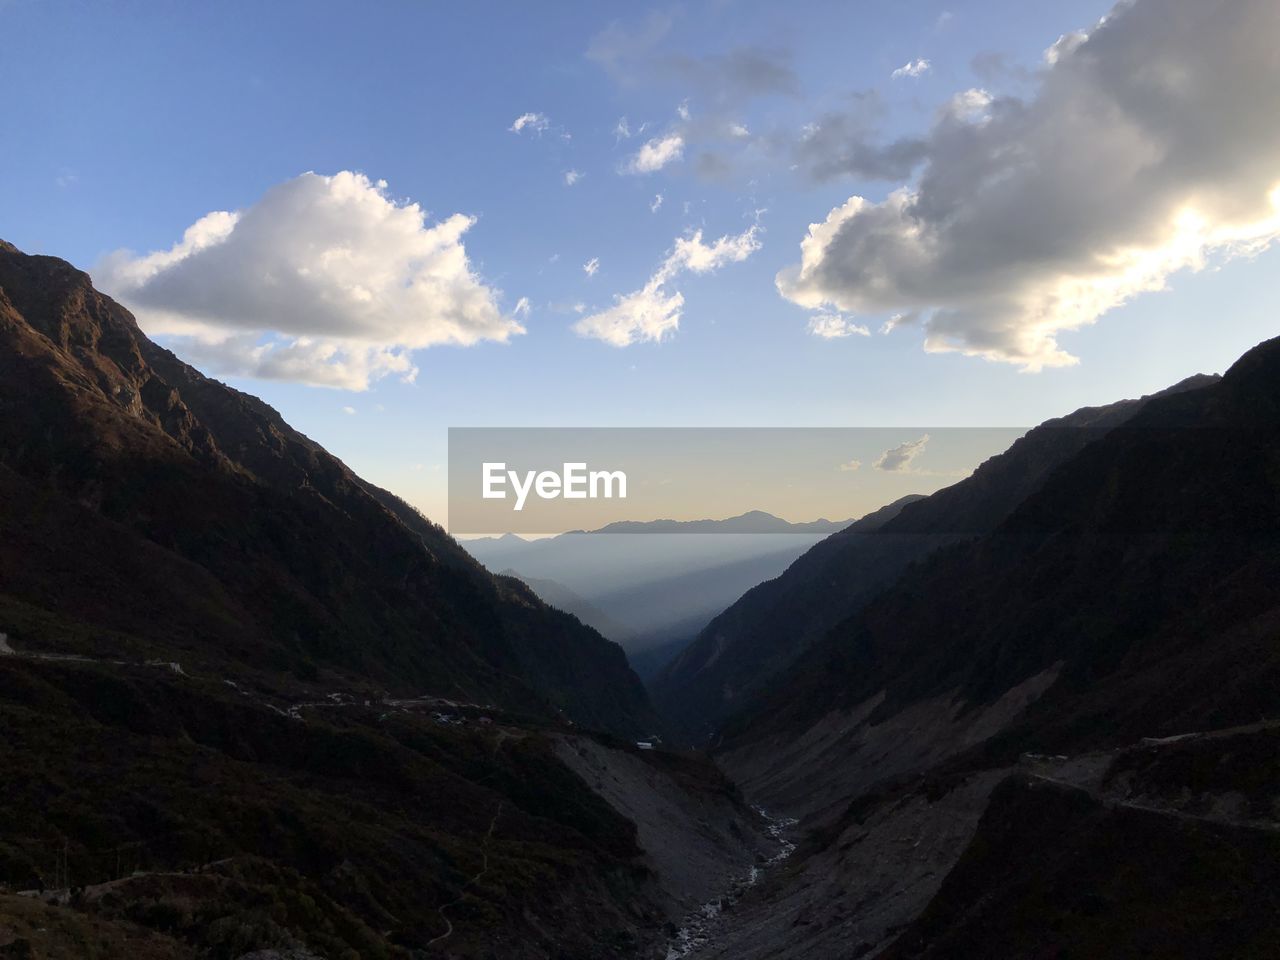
(389, 219)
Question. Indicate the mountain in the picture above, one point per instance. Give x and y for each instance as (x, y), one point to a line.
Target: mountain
(1057, 737)
(743, 649)
(255, 706)
(560, 597)
(257, 546)
(658, 581)
(753, 521)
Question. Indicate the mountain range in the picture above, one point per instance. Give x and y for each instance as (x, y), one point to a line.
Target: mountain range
(256, 707)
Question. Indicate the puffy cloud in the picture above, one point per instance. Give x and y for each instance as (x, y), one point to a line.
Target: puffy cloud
(591, 266)
(916, 68)
(900, 458)
(652, 312)
(656, 154)
(657, 203)
(571, 177)
(1134, 158)
(537, 122)
(325, 280)
(831, 326)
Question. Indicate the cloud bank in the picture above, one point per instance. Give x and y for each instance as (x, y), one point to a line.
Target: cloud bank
(650, 313)
(1147, 148)
(325, 280)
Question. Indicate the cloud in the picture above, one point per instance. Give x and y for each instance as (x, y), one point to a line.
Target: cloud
(349, 411)
(650, 313)
(841, 142)
(853, 466)
(735, 77)
(900, 458)
(522, 308)
(591, 266)
(325, 280)
(624, 50)
(713, 91)
(571, 177)
(831, 326)
(1135, 157)
(632, 54)
(916, 68)
(657, 203)
(537, 122)
(656, 154)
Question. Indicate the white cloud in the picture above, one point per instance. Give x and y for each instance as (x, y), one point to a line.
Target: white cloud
(349, 411)
(853, 466)
(591, 266)
(571, 177)
(656, 154)
(916, 68)
(899, 458)
(830, 326)
(682, 111)
(325, 280)
(970, 106)
(739, 130)
(650, 313)
(522, 308)
(657, 203)
(1135, 157)
(537, 122)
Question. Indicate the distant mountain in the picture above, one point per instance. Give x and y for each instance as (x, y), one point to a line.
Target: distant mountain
(753, 521)
(657, 581)
(743, 650)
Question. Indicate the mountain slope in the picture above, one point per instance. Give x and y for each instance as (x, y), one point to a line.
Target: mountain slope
(994, 753)
(750, 643)
(252, 703)
(259, 547)
(1150, 593)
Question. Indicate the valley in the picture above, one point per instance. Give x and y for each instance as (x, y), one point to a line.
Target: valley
(264, 709)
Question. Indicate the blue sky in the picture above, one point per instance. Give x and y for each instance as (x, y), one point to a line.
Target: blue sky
(126, 123)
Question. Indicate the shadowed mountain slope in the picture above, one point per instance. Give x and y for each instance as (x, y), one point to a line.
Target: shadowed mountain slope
(167, 507)
(744, 649)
